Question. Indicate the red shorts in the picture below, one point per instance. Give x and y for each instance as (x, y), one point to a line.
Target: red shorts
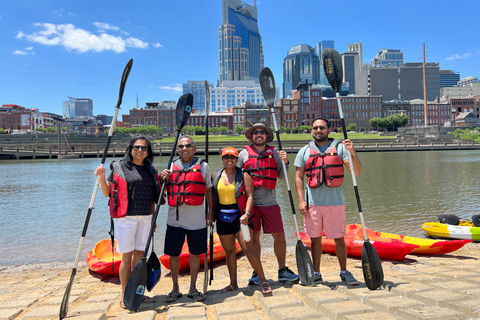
(269, 218)
(330, 219)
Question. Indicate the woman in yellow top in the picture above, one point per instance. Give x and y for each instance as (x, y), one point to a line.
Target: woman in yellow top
(233, 199)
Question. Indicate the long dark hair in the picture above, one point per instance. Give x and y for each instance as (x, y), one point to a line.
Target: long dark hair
(128, 151)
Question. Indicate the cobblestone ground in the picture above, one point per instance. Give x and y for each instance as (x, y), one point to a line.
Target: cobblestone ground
(420, 287)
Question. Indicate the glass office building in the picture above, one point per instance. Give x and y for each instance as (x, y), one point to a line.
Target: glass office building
(301, 65)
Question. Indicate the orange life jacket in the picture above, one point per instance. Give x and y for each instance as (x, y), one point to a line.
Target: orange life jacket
(263, 169)
(326, 167)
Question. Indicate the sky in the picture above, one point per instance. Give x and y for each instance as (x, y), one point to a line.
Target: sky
(53, 49)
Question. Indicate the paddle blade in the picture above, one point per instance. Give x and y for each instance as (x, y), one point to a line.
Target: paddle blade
(372, 266)
(267, 83)
(207, 96)
(205, 274)
(66, 295)
(136, 285)
(183, 110)
(332, 65)
(154, 271)
(125, 74)
(304, 264)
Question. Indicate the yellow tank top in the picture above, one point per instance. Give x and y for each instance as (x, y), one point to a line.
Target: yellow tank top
(226, 194)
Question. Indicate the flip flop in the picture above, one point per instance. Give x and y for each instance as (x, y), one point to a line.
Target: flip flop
(227, 289)
(122, 305)
(147, 299)
(197, 296)
(266, 288)
(173, 296)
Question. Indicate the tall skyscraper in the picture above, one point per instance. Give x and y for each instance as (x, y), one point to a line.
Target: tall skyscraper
(240, 44)
(197, 89)
(350, 60)
(319, 49)
(357, 47)
(301, 65)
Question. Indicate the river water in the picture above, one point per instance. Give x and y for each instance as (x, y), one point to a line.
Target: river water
(43, 203)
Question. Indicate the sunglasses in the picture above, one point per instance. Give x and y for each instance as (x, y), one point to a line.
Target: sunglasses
(320, 127)
(229, 157)
(143, 148)
(187, 146)
(255, 132)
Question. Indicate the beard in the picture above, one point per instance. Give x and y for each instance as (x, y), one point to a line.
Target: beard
(320, 138)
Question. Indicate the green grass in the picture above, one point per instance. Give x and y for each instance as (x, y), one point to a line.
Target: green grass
(283, 137)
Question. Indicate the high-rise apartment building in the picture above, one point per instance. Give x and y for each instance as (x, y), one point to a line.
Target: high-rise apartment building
(301, 65)
(319, 49)
(197, 89)
(239, 42)
(388, 57)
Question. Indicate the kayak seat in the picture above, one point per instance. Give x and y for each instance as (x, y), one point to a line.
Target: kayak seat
(449, 219)
(476, 220)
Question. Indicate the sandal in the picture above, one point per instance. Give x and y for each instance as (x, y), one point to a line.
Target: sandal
(227, 289)
(173, 296)
(266, 287)
(147, 299)
(197, 296)
(122, 305)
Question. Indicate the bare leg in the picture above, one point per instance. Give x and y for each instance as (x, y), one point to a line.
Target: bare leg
(137, 256)
(174, 268)
(316, 253)
(280, 248)
(341, 250)
(252, 256)
(228, 244)
(194, 268)
(125, 270)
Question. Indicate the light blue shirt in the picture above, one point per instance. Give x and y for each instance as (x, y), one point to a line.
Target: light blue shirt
(323, 195)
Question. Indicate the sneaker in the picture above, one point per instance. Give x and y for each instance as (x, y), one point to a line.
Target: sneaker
(254, 280)
(348, 278)
(286, 274)
(318, 278)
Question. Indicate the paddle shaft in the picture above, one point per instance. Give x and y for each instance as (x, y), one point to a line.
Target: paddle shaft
(123, 81)
(205, 264)
(354, 179)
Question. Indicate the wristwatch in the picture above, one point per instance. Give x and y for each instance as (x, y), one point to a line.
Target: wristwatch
(248, 214)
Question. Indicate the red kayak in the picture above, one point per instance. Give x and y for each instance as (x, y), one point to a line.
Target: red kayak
(392, 250)
(99, 259)
(218, 254)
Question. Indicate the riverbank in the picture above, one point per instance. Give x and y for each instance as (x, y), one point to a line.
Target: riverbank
(420, 287)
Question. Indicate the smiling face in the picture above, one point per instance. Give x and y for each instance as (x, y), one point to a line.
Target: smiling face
(259, 137)
(139, 155)
(229, 161)
(186, 149)
(320, 131)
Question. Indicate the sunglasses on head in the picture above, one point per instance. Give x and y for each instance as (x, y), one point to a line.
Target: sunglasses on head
(255, 132)
(319, 127)
(188, 146)
(227, 157)
(143, 148)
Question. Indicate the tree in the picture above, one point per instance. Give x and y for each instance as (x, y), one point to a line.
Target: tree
(374, 122)
(222, 130)
(199, 130)
(352, 127)
(51, 129)
(64, 129)
(239, 129)
(39, 129)
(2, 131)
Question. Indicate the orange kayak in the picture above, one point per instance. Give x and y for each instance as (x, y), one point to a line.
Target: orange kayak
(99, 259)
(218, 254)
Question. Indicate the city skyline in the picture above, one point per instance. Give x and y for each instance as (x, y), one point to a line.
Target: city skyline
(54, 50)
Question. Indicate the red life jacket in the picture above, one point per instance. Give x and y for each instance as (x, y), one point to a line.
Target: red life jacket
(263, 169)
(118, 198)
(324, 167)
(186, 185)
(240, 194)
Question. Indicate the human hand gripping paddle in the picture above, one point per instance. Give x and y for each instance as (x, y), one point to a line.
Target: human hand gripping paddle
(304, 262)
(205, 264)
(371, 263)
(64, 305)
(137, 282)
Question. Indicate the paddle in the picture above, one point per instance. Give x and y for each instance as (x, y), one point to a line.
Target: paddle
(137, 281)
(205, 266)
(304, 262)
(371, 263)
(64, 305)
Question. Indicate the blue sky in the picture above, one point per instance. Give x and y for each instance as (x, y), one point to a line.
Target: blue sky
(54, 49)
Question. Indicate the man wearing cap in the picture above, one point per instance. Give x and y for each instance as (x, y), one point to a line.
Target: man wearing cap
(189, 184)
(264, 164)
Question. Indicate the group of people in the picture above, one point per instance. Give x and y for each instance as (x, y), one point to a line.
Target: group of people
(242, 192)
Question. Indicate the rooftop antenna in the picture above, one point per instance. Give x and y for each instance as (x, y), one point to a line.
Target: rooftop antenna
(137, 100)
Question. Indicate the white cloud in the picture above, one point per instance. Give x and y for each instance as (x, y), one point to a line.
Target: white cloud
(80, 40)
(20, 52)
(457, 56)
(176, 88)
(105, 26)
(157, 45)
(29, 48)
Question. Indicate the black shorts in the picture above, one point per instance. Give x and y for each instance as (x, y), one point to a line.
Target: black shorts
(175, 238)
(226, 228)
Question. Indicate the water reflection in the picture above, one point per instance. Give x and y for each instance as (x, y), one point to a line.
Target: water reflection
(44, 203)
